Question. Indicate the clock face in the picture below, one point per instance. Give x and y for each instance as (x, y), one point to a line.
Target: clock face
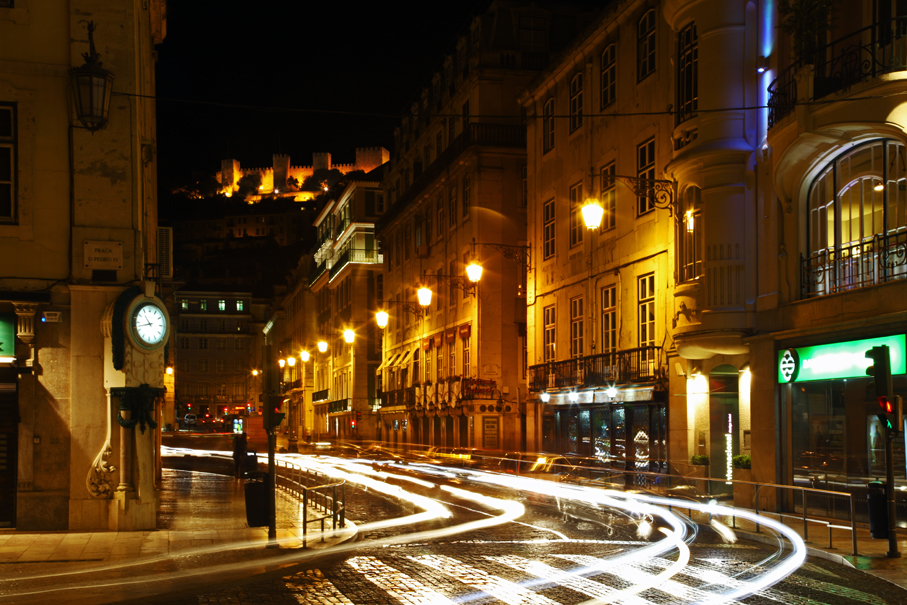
(149, 324)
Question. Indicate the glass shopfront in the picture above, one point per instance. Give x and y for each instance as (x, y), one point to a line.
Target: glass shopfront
(836, 438)
(632, 437)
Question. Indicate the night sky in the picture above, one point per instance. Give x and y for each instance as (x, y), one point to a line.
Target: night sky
(356, 58)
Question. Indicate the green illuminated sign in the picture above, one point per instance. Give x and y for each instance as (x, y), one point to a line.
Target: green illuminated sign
(839, 360)
(7, 334)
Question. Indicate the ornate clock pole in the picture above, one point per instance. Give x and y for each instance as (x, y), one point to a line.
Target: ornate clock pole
(136, 327)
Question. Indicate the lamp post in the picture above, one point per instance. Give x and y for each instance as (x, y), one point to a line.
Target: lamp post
(349, 337)
(307, 411)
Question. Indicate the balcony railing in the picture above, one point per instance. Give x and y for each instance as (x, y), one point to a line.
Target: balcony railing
(605, 369)
(340, 405)
(322, 395)
(878, 49)
(353, 255)
(400, 397)
(879, 259)
(292, 384)
(317, 272)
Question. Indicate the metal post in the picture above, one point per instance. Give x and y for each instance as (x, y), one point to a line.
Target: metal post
(305, 514)
(269, 380)
(757, 507)
(334, 508)
(853, 525)
(342, 505)
(803, 493)
(893, 552)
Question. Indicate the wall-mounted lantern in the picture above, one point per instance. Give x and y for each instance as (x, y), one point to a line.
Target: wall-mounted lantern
(92, 86)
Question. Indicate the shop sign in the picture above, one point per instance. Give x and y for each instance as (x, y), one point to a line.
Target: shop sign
(729, 449)
(838, 360)
(478, 388)
(7, 334)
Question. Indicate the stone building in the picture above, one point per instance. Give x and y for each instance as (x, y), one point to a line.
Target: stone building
(772, 230)
(81, 370)
(454, 372)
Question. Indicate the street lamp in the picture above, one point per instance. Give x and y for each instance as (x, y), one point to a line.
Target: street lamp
(282, 362)
(424, 295)
(381, 318)
(349, 336)
(474, 271)
(92, 86)
(593, 213)
(304, 356)
(322, 346)
(291, 361)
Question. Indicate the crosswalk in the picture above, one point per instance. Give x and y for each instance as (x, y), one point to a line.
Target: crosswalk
(553, 579)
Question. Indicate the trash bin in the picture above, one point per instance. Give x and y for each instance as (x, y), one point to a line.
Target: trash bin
(256, 489)
(251, 462)
(877, 500)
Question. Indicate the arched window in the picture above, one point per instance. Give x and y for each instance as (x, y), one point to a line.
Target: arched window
(689, 254)
(645, 45)
(857, 220)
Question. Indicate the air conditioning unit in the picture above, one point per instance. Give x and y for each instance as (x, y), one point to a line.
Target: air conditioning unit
(422, 251)
(165, 251)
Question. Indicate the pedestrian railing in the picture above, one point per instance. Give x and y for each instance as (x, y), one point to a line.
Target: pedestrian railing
(315, 493)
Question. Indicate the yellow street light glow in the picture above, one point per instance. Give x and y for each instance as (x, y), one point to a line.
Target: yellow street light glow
(291, 361)
(282, 362)
(381, 317)
(592, 214)
(689, 221)
(169, 371)
(349, 335)
(474, 272)
(304, 356)
(424, 295)
(879, 187)
(322, 346)
(254, 372)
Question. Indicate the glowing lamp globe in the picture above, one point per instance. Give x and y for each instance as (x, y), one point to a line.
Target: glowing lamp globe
(291, 361)
(592, 214)
(349, 336)
(424, 295)
(474, 272)
(322, 346)
(304, 356)
(381, 317)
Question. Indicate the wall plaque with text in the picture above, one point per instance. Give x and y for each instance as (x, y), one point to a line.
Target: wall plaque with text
(103, 255)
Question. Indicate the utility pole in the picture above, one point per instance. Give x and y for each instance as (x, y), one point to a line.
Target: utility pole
(267, 411)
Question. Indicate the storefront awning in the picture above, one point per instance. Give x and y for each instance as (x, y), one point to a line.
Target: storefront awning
(388, 362)
(404, 358)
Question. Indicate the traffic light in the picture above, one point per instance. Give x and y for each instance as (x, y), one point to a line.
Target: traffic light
(273, 414)
(892, 415)
(880, 370)
(354, 422)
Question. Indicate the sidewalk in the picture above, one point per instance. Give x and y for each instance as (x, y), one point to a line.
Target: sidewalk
(199, 512)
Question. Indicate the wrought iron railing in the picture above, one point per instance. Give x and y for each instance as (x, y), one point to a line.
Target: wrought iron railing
(878, 49)
(317, 272)
(400, 397)
(340, 405)
(322, 395)
(604, 369)
(353, 255)
(879, 259)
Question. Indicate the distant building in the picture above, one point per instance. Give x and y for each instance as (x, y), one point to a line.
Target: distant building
(454, 373)
(274, 178)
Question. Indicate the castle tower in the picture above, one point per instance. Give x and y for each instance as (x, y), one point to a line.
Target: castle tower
(281, 164)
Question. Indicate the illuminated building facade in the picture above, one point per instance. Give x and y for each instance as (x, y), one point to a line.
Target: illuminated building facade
(78, 230)
(772, 258)
(453, 372)
(345, 280)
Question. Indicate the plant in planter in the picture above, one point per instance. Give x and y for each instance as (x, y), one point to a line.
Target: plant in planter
(742, 461)
(700, 460)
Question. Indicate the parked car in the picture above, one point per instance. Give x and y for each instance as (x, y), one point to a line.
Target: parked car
(190, 420)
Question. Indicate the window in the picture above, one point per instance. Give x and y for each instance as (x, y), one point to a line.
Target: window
(576, 220)
(453, 205)
(379, 203)
(184, 305)
(203, 325)
(184, 325)
(548, 126)
(439, 142)
(524, 199)
(184, 343)
(608, 196)
(609, 75)
(532, 34)
(221, 305)
(407, 241)
(452, 353)
(548, 229)
(221, 389)
(452, 287)
(240, 366)
(428, 365)
(203, 366)
(221, 344)
(439, 364)
(576, 327)
(466, 341)
(203, 389)
(220, 366)
(203, 305)
(202, 343)
(687, 73)
(239, 391)
(466, 194)
(576, 102)
(7, 163)
(440, 205)
(416, 368)
(645, 45)
(239, 305)
(609, 319)
(645, 169)
(857, 217)
(183, 365)
(646, 298)
(548, 317)
(690, 236)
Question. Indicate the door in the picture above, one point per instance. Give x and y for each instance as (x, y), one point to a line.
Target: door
(9, 445)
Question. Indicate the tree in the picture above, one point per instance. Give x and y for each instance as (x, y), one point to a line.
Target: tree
(806, 21)
(249, 185)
